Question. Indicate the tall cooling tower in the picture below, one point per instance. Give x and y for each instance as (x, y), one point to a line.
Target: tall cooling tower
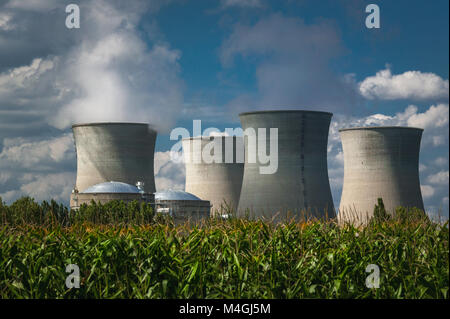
(379, 162)
(218, 179)
(121, 152)
(300, 185)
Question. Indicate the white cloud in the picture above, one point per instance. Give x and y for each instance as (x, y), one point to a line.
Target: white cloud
(440, 178)
(33, 5)
(441, 161)
(168, 174)
(9, 196)
(13, 80)
(42, 169)
(4, 177)
(408, 85)
(28, 154)
(164, 183)
(434, 121)
(438, 140)
(435, 116)
(121, 80)
(291, 61)
(56, 186)
(5, 21)
(427, 191)
(107, 72)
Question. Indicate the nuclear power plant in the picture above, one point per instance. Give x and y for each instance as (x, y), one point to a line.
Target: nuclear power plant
(114, 157)
(277, 170)
(379, 162)
(300, 183)
(218, 178)
(111, 159)
(108, 191)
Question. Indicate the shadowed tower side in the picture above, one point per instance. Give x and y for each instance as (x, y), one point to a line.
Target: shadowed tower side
(300, 182)
(121, 152)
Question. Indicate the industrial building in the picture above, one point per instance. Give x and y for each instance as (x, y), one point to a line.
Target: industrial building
(181, 206)
(113, 157)
(300, 185)
(108, 191)
(379, 162)
(218, 181)
(112, 151)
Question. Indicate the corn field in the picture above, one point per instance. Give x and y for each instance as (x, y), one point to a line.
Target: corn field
(129, 253)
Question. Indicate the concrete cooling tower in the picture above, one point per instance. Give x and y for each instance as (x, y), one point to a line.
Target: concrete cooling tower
(122, 152)
(379, 162)
(218, 179)
(300, 184)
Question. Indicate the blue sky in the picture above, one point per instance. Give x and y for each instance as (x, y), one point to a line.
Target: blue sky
(168, 62)
(413, 36)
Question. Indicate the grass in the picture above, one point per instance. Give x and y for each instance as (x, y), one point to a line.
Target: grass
(139, 257)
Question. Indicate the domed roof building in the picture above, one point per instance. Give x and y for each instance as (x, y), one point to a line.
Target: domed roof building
(175, 195)
(108, 191)
(181, 205)
(112, 187)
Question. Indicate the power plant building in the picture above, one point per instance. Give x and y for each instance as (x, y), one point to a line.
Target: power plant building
(379, 162)
(300, 184)
(108, 191)
(219, 177)
(182, 206)
(112, 151)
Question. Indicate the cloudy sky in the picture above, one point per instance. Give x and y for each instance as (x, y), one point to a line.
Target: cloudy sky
(169, 62)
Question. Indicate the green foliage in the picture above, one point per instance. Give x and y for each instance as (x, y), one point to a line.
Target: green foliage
(25, 211)
(414, 215)
(114, 212)
(233, 258)
(401, 214)
(379, 212)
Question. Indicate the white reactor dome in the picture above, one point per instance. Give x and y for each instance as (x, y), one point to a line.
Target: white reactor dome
(112, 187)
(175, 195)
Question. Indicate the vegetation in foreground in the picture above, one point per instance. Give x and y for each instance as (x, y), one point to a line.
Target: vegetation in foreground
(124, 251)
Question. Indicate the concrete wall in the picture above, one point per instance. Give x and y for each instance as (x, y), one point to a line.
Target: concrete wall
(184, 210)
(218, 183)
(301, 181)
(379, 162)
(122, 152)
(77, 199)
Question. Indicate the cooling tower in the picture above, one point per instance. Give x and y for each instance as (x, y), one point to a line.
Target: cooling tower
(300, 185)
(218, 179)
(121, 152)
(379, 162)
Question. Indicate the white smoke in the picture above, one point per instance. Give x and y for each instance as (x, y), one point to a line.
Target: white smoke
(108, 70)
